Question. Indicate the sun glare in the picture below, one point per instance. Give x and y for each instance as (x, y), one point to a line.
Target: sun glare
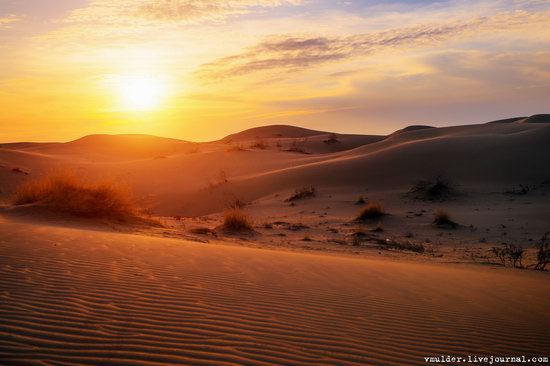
(140, 92)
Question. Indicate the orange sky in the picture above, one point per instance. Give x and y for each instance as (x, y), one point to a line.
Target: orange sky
(199, 70)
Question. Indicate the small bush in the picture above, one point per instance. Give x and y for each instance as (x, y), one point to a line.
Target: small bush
(407, 246)
(510, 252)
(65, 192)
(332, 139)
(442, 219)
(18, 170)
(299, 194)
(371, 211)
(543, 254)
(235, 219)
(439, 189)
(259, 144)
(298, 145)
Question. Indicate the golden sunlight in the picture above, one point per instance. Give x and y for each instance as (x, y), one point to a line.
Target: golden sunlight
(140, 92)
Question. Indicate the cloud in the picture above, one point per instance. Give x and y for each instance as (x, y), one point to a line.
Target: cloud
(189, 11)
(286, 53)
(6, 22)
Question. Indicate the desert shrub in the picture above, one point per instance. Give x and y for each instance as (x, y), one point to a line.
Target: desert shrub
(65, 192)
(236, 219)
(543, 254)
(371, 211)
(298, 145)
(520, 190)
(201, 230)
(405, 246)
(509, 252)
(442, 219)
(332, 139)
(301, 193)
(18, 170)
(259, 144)
(379, 228)
(438, 189)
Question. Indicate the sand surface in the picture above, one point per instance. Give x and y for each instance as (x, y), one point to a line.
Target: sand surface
(72, 296)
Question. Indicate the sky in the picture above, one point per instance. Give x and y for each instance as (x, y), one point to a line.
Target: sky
(199, 70)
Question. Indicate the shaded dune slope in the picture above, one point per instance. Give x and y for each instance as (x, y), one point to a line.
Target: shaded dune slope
(75, 297)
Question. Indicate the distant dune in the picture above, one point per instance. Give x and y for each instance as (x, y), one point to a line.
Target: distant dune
(189, 178)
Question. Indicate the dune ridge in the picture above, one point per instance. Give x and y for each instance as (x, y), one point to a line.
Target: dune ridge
(77, 297)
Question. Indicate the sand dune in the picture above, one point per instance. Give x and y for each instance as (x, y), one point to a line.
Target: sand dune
(190, 179)
(78, 297)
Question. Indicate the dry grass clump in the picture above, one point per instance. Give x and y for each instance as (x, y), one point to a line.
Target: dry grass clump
(371, 211)
(65, 192)
(236, 219)
(299, 194)
(438, 189)
(442, 219)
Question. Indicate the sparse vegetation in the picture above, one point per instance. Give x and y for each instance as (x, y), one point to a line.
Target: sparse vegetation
(520, 190)
(236, 220)
(201, 230)
(18, 170)
(509, 252)
(379, 228)
(371, 211)
(438, 189)
(332, 139)
(404, 246)
(298, 145)
(259, 144)
(543, 254)
(442, 220)
(301, 193)
(65, 192)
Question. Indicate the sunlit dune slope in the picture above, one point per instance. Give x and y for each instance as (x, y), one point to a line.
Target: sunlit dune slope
(186, 178)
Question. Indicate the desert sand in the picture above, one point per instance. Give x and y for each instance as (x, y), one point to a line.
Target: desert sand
(309, 284)
(85, 297)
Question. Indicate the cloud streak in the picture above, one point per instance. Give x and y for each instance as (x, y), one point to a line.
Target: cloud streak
(288, 53)
(7, 22)
(107, 12)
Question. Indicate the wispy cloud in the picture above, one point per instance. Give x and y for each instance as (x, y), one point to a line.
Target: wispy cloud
(190, 11)
(7, 22)
(286, 53)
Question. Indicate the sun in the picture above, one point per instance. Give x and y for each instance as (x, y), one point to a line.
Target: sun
(140, 92)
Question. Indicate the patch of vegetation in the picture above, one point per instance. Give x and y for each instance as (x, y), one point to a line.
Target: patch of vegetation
(18, 170)
(236, 220)
(371, 211)
(519, 190)
(298, 145)
(332, 139)
(379, 228)
(511, 253)
(202, 231)
(543, 254)
(442, 220)
(259, 144)
(301, 193)
(438, 189)
(404, 246)
(67, 193)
